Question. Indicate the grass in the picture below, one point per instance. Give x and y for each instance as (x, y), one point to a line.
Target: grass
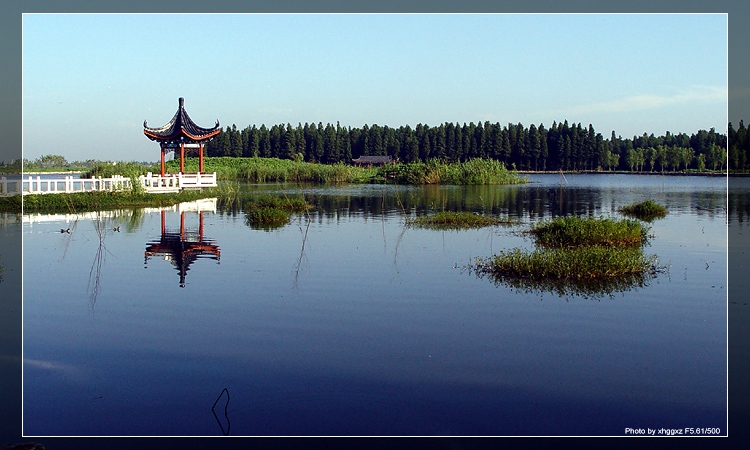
(589, 271)
(647, 211)
(456, 220)
(579, 263)
(274, 170)
(576, 256)
(103, 200)
(269, 212)
(269, 170)
(474, 171)
(572, 231)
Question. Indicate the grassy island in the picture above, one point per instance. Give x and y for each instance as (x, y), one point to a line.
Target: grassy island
(574, 231)
(647, 211)
(269, 212)
(580, 256)
(451, 220)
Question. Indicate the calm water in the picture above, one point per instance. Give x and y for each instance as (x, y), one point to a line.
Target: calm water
(347, 323)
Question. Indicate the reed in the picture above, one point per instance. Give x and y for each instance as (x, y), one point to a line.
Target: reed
(572, 231)
(647, 211)
(269, 212)
(474, 171)
(266, 218)
(589, 272)
(578, 263)
(457, 220)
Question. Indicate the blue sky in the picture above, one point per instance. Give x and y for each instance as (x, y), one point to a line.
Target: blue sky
(90, 80)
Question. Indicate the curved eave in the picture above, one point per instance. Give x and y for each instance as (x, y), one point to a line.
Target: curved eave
(154, 135)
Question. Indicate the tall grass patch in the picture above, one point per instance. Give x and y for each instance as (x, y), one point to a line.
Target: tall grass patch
(647, 210)
(580, 263)
(572, 231)
(434, 171)
(457, 220)
(269, 212)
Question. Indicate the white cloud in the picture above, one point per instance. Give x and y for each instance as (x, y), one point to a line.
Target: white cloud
(698, 95)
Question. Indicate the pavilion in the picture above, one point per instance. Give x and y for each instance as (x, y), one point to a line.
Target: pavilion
(181, 133)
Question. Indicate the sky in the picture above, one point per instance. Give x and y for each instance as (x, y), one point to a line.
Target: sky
(90, 80)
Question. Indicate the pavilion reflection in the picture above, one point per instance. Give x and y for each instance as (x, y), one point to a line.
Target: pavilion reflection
(184, 246)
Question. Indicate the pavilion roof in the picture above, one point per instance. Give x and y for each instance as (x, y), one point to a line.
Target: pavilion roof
(180, 129)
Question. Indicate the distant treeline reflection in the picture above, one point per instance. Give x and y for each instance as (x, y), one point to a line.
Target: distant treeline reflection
(523, 202)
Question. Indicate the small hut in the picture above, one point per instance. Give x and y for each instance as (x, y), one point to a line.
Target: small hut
(372, 160)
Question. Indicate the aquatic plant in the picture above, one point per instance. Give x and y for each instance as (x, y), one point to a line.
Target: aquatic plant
(457, 220)
(587, 271)
(434, 171)
(578, 263)
(647, 211)
(267, 218)
(269, 212)
(573, 231)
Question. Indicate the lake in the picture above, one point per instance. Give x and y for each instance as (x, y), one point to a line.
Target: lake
(188, 321)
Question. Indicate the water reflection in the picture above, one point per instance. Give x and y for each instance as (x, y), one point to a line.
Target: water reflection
(182, 248)
(536, 200)
(591, 289)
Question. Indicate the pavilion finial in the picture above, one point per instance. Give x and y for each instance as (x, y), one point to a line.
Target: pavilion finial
(182, 102)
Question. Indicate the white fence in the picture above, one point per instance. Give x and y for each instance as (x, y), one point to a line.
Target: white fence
(203, 205)
(9, 187)
(68, 184)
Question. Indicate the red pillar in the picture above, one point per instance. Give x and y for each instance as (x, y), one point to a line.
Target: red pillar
(182, 226)
(163, 223)
(182, 157)
(200, 159)
(162, 161)
(200, 225)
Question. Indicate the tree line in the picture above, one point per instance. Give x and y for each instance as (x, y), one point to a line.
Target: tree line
(563, 146)
(739, 147)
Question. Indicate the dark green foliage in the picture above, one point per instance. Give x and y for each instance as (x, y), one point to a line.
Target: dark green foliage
(647, 210)
(563, 146)
(11, 204)
(457, 220)
(575, 231)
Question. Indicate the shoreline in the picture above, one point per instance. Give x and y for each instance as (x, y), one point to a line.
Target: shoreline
(622, 172)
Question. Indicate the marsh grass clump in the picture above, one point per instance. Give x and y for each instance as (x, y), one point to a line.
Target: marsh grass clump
(588, 257)
(434, 171)
(647, 211)
(267, 218)
(567, 264)
(291, 204)
(589, 271)
(572, 231)
(269, 212)
(457, 220)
